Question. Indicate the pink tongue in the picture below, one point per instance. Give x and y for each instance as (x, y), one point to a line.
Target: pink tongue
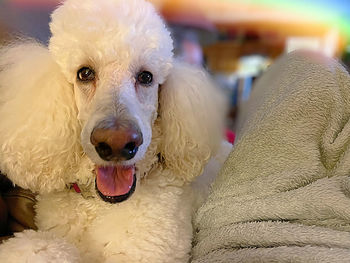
(115, 180)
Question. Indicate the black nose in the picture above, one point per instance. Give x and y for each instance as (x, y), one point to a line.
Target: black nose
(106, 153)
(117, 143)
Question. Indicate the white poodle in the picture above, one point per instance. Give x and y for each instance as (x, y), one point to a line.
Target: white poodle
(107, 109)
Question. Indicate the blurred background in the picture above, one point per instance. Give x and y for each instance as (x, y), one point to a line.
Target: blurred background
(235, 40)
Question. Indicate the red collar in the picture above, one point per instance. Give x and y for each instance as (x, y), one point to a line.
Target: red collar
(76, 188)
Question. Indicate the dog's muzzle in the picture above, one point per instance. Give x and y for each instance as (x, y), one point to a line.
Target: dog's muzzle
(116, 142)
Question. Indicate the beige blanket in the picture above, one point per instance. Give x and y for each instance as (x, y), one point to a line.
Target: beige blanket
(284, 192)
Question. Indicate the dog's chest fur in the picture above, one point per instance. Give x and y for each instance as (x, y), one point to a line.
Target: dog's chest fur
(154, 225)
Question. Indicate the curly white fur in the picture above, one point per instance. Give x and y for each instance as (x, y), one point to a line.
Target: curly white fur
(39, 247)
(47, 117)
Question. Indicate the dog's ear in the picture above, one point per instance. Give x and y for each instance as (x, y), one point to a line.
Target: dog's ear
(39, 131)
(192, 113)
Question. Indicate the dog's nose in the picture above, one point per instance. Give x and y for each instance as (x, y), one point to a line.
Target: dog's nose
(119, 142)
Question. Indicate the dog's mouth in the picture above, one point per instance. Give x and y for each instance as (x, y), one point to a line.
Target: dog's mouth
(115, 184)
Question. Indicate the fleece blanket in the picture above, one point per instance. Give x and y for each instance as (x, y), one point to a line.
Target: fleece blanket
(283, 194)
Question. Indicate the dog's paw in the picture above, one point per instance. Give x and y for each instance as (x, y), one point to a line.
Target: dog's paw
(32, 246)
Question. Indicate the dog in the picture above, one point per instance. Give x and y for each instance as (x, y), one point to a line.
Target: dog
(105, 108)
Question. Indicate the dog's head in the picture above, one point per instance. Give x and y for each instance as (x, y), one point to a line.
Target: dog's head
(107, 77)
(115, 53)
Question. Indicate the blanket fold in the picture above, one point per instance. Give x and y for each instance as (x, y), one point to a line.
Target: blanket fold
(283, 195)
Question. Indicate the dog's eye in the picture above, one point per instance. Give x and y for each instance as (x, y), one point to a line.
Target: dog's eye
(86, 74)
(145, 78)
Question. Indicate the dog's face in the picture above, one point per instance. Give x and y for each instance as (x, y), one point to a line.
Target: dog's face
(116, 53)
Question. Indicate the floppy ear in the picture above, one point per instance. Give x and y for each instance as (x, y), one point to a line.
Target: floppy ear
(192, 114)
(39, 131)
